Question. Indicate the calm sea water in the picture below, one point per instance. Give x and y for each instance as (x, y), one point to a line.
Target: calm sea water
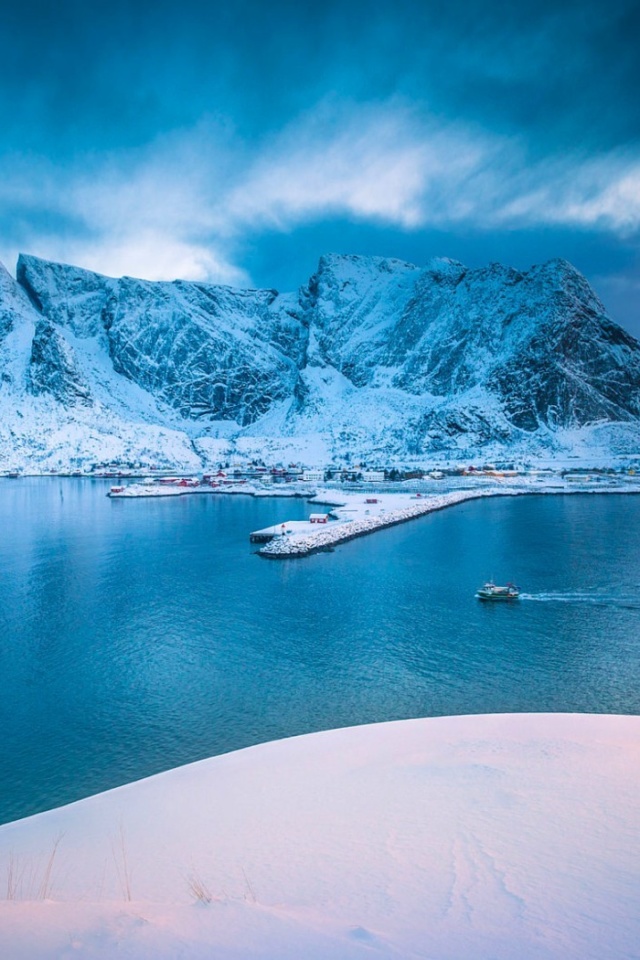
(136, 636)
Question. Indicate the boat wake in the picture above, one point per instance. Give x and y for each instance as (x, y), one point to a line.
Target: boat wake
(629, 602)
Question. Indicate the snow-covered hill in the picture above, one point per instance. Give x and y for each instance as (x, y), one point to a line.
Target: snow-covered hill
(484, 837)
(373, 357)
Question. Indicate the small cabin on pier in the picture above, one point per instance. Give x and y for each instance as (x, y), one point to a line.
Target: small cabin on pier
(318, 518)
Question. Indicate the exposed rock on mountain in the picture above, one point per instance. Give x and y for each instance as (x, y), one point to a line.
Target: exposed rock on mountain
(53, 369)
(374, 357)
(207, 351)
(540, 340)
(11, 304)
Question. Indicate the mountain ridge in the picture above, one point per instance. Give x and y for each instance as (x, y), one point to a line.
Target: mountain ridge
(372, 357)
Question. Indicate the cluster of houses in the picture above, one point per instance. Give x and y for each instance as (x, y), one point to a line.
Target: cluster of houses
(294, 472)
(257, 471)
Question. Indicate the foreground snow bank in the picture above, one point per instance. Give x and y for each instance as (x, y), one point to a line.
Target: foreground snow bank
(462, 837)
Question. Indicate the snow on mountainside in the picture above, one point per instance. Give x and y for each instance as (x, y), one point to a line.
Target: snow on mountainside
(375, 357)
(208, 351)
(538, 342)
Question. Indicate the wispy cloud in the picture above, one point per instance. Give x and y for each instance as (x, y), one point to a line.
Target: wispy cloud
(148, 213)
(376, 163)
(184, 205)
(598, 193)
(391, 164)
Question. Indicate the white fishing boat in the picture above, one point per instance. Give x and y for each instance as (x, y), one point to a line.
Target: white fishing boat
(491, 591)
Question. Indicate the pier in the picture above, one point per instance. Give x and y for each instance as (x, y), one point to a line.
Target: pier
(306, 539)
(290, 528)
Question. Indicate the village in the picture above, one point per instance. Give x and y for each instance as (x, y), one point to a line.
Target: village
(257, 472)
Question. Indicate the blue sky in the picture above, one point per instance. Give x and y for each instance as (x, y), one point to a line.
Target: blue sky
(237, 142)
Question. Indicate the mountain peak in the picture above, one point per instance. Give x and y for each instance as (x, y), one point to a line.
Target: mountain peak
(353, 263)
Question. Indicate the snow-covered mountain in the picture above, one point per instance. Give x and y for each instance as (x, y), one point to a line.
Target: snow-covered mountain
(373, 357)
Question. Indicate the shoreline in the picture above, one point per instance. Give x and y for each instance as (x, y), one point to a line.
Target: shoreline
(400, 506)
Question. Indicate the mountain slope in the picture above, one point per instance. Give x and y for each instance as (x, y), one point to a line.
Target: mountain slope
(204, 350)
(540, 340)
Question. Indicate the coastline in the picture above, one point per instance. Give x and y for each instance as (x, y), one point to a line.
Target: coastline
(409, 504)
(376, 506)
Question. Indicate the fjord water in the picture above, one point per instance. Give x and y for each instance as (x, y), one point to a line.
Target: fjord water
(139, 635)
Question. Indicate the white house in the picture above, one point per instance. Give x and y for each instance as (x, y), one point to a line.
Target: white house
(313, 476)
(373, 476)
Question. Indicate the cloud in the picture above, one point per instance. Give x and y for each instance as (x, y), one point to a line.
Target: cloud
(184, 205)
(598, 193)
(154, 256)
(146, 213)
(372, 164)
(392, 165)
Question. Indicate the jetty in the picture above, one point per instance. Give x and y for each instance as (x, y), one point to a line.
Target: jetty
(357, 515)
(177, 487)
(289, 528)
(139, 491)
(304, 538)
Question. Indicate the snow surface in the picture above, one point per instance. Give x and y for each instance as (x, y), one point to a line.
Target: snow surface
(458, 838)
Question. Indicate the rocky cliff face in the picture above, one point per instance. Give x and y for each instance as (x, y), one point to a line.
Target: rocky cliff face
(539, 341)
(207, 351)
(53, 369)
(375, 356)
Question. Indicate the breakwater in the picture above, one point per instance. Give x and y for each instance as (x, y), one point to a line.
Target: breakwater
(323, 537)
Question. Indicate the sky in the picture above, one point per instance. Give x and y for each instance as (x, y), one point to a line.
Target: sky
(237, 142)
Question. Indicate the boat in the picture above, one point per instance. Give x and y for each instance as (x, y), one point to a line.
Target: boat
(490, 591)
